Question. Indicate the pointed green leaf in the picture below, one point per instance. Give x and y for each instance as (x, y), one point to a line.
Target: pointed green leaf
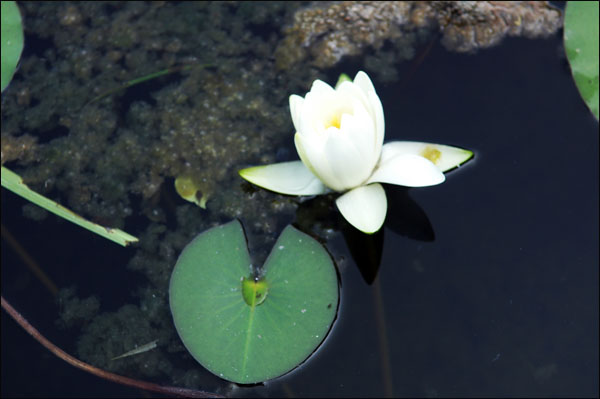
(343, 78)
(14, 183)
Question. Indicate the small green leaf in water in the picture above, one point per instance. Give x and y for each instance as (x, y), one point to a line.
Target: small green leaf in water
(581, 45)
(249, 330)
(188, 189)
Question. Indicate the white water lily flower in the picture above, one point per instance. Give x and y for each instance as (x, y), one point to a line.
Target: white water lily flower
(339, 138)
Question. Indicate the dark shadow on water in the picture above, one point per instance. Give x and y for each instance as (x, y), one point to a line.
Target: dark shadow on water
(365, 249)
(405, 217)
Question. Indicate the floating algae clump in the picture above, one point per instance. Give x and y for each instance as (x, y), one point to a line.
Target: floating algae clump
(325, 32)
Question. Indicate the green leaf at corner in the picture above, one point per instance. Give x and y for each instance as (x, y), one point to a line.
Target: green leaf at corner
(249, 330)
(581, 46)
(11, 40)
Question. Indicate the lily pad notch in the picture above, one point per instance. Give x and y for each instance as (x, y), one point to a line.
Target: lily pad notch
(246, 327)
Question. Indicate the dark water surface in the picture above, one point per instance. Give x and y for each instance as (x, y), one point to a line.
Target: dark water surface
(502, 299)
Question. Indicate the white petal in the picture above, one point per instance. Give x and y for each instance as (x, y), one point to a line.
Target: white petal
(292, 178)
(349, 166)
(372, 107)
(350, 90)
(364, 207)
(315, 109)
(321, 88)
(443, 156)
(296, 103)
(311, 154)
(407, 170)
(360, 130)
(363, 81)
(379, 119)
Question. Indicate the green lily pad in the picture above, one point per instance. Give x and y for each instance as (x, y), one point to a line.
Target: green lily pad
(581, 46)
(250, 328)
(12, 40)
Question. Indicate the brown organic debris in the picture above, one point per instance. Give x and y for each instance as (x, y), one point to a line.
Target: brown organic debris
(326, 33)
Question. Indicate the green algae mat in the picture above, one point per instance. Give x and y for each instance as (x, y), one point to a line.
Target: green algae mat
(249, 327)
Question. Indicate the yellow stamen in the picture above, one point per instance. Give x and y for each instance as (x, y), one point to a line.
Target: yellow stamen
(334, 120)
(432, 154)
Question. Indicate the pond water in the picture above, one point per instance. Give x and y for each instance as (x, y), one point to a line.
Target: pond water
(487, 284)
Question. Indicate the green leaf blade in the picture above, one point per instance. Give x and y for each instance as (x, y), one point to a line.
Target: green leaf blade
(13, 182)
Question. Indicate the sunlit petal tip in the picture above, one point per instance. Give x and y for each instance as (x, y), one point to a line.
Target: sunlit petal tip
(446, 157)
(460, 157)
(291, 178)
(364, 207)
(364, 82)
(319, 86)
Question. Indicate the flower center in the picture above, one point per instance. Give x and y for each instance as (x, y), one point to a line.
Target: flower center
(334, 120)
